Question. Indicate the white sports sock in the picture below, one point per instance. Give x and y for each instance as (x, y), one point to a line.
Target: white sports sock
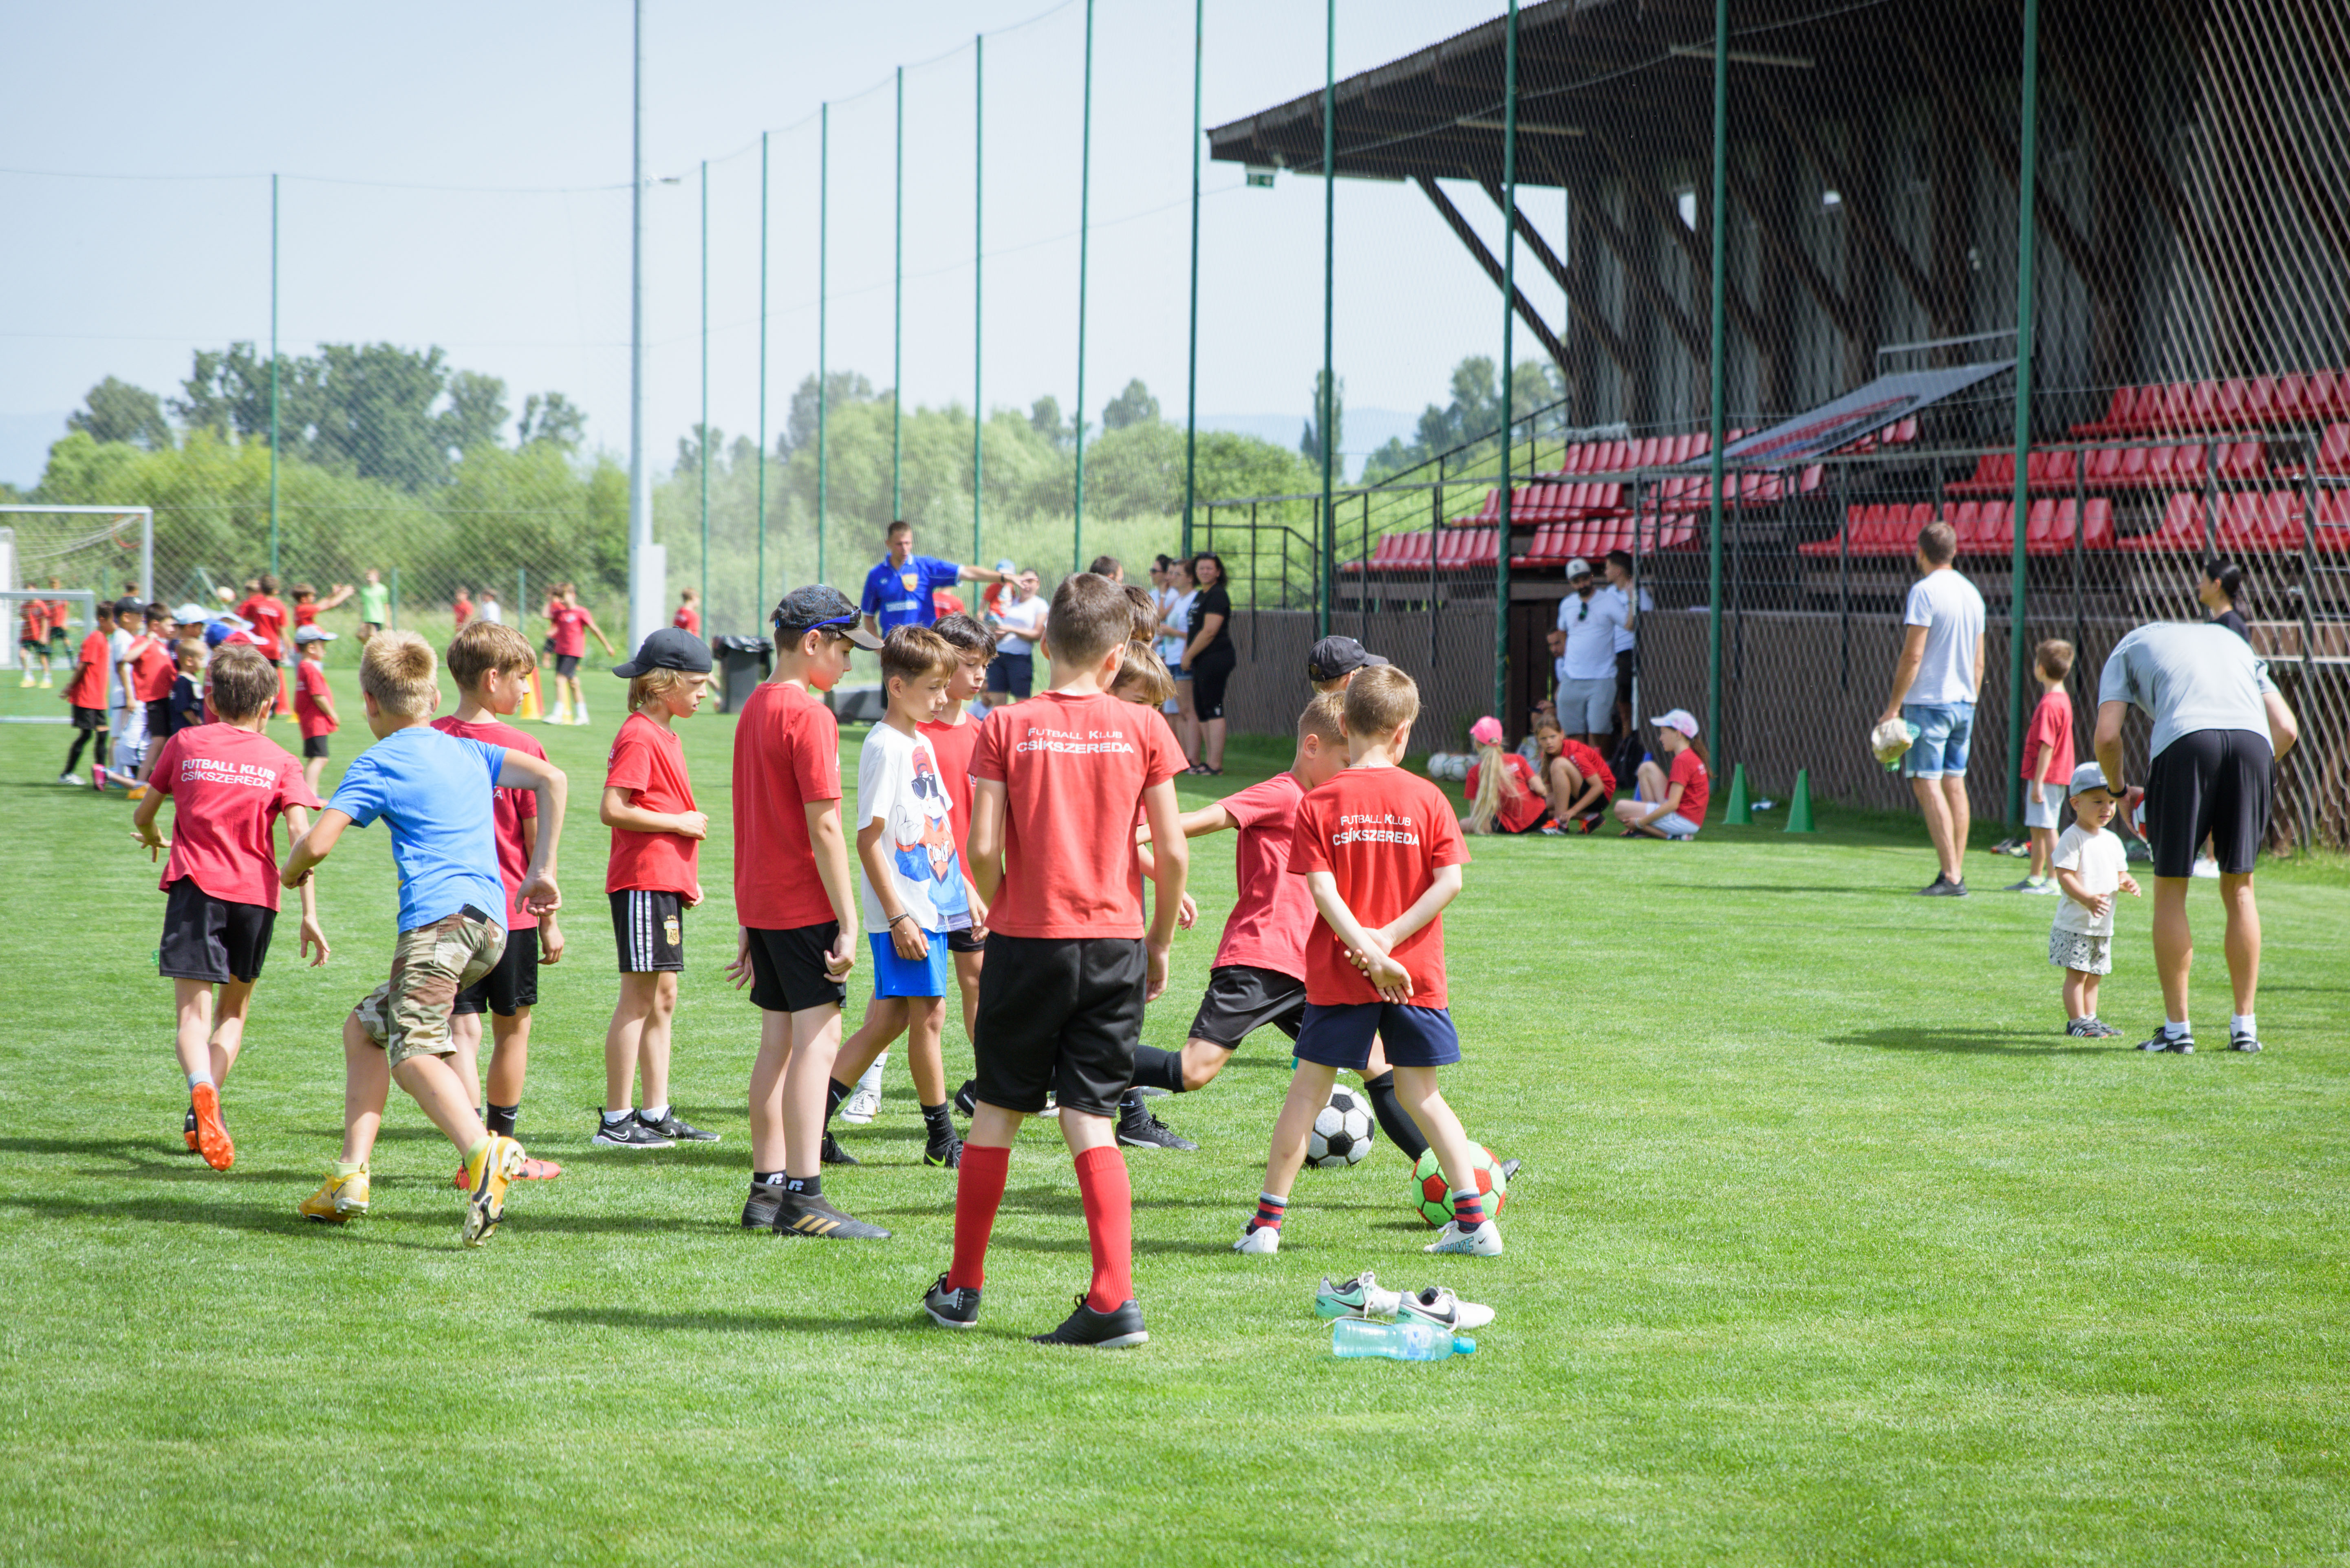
(2241, 1024)
(2175, 1027)
(656, 1112)
(196, 1078)
(611, 1117)
(872, 1078)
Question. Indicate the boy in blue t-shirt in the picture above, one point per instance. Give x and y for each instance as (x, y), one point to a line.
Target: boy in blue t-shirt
(435, 792)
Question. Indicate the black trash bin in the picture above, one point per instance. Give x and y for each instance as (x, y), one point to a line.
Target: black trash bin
(743, 663)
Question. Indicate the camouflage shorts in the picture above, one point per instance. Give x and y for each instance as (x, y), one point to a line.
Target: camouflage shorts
(408, 1014)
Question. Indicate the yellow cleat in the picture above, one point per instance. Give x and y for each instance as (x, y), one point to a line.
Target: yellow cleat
(338, 1198)
(495, 1164)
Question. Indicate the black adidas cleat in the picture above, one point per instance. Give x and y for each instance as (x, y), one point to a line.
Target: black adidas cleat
(800, 1215)
(951, 1308)
(765, 1201)
(833, 1154)
(2179, 1044)
(1137, 1128)
(943, 1155)
(677, 1131)
(1101, 1330)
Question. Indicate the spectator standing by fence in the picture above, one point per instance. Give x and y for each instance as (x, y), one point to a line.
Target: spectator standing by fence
(1935, 684)
(1619, 567)
(1176, 592)
(1588, 620)
(1209, 656)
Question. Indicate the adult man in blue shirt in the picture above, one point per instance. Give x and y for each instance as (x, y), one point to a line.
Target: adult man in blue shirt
(898, 591)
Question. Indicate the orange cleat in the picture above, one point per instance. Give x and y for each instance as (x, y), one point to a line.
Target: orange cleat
(212, 1137)
(529, 1170)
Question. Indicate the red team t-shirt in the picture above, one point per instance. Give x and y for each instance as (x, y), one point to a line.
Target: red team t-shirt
(155, 669)
(309, 685)
(1519, 809)
(2052, 726)
(88, 689)
(1697, 787)
(304, 614)
(952, 744)
(570, 630)
(1074, 769)
(228, 787)
(509, 808)
(1382, 833)
(1589, 764)
(648, 760)
(687, 619)
(786, 754)
(1273, 913)
(269, 618)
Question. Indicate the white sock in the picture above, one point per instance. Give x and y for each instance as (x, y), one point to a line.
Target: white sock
(872, 1079)
(656, 1112)
(2175, 1027)
(610, 1118)
(2241, 1024)
(196, 1078)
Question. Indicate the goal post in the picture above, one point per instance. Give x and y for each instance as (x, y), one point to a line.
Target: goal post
(81, 615)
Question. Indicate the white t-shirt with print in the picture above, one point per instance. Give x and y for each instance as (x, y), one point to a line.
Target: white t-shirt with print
(899, 785)
(1950, 609)
(2100, 860)
(1175, 610)
(1019, 621)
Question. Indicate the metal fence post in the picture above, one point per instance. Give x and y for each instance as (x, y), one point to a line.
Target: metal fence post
(1191, 386)
(761, 524)
(898, 321)
(2026, 192)
(394, 610)
(1325, 536)
(1714, 369)
(704, 463)
(1085, 207)
(522, 597)
(823, 303)
(272, 375)
(1509, 348)
(978, 289)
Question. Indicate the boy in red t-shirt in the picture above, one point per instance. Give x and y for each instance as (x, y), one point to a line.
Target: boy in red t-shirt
(33, 641)
(84, 694)
(794, 894)
(1381, 854)
(267, 613)
(154, 665)
(491, 665)
(460, 609)
(1055, 782)
(229, 785)
(568, 639)
(652, 879)
(314, 701)
(2047, 764)
(689, 613)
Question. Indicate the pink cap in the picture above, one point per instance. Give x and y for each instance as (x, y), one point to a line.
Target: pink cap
(1486, 731)
(1679, 719)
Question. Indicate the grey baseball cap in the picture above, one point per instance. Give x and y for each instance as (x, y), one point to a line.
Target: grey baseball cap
(803, 610)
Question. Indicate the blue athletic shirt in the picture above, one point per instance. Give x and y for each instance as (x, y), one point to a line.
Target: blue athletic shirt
(436, 791)
(900, 596)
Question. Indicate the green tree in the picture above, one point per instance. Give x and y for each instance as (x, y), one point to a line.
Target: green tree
(549, 419)
(842, 387)
(1134, 406)
(114, 411)
(1044, 419)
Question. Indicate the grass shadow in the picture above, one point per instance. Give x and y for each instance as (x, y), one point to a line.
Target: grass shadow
(726, 1322)
(1969, 1043)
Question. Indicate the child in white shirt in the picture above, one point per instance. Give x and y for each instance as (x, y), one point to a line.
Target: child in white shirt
(2091, 866)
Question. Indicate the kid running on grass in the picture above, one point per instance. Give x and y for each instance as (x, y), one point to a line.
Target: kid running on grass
(1057, 780)
(652, 879)
(229, 784)
(435, 792)
(1381, 846)
(2091, 866)
(491, 665)
(314, 701)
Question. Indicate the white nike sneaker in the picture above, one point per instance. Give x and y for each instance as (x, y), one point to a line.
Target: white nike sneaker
(1484, 1242)
(1439, 1305)
(1361, 1296)
(861, 1107)
(1263, 1238)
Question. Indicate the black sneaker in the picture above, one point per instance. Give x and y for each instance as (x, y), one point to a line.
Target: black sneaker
(2179, 1044)
(800, 1215)
(2237, 1041)
(951, 1308)
(766, 1200)
(833, 1154)
(943, 1154)
(677, 1131)
(188, 1129)
(1101, 1330)
(629, 1132)
(1510, 1170)
(966, 1099)
(1941, 887)
(1137, 1128)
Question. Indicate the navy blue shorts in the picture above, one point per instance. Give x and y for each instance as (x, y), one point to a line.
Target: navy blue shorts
(1415, 1036)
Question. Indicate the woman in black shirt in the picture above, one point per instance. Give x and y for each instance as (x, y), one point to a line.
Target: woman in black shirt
(1209, 656)
(2222, 579)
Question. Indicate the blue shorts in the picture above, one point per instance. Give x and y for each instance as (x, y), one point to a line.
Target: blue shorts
(1341, 1036)
(895, 976)
(1943, 731)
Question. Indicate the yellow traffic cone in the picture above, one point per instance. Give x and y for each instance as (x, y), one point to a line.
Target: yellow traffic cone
(531, 712)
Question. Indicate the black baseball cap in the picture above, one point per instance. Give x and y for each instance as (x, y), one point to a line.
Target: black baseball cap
(819, 607)
(670, 648)
(1336, 656)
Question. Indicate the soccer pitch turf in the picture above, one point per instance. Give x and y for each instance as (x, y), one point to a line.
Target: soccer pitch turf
(1829, 1247)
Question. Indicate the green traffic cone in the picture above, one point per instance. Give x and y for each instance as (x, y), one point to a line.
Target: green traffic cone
(1737, 815)
(1799, 810)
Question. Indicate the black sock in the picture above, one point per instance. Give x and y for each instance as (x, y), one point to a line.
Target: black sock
(1394, 1120)
(938, 1124)
(834, 1091)
(1157, 1069)
(101, 747)
(73, 752)
(804, 1186)
(766, 1178)
(500, 1118)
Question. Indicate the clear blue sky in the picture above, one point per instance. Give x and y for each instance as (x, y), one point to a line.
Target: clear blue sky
(125, 275)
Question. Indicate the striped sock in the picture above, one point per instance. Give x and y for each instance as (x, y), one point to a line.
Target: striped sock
(1269, 1210)
(1468, 1207)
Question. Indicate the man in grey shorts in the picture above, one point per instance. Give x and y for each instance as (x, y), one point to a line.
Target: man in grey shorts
(1935, 684)
(1585, 642)
(2219, 728)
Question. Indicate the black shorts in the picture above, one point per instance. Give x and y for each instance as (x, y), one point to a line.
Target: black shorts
(648, 928)
(566, 666)
(1012, 672)
(1624, 663)
(89, 717)
(1536, 826)
(1058, 1014)
(962, 942)
(1242, 999)
(787, 973)
(211, 938)
(159, 719)
(1209, 673)
(37, 647)
(510, 987)
(2217, 783)
(314, 746)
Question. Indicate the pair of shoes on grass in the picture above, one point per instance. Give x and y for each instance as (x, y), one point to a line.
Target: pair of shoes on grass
(786, 1213)
(1363, 1297)
(1117, 1329)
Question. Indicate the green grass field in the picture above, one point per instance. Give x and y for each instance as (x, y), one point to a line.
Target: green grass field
(1829, 1247)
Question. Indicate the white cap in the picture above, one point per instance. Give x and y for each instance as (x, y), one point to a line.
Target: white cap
(1577, 567)
(313, 634)
(2086, 777)
(1679, 719)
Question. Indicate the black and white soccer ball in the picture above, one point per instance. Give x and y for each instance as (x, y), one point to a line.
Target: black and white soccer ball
(1344, 1131)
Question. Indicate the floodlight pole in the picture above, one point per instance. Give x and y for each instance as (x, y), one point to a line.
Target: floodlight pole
(1191, 390)
(1329, 530)
(898, 323)
(272, 375)
(2026, 193)
(760, 606)
(641, 498)
(1509, 360)
(978, 289)
(1084, 205)
(823, 307)
(1715, 376)
(704, 463)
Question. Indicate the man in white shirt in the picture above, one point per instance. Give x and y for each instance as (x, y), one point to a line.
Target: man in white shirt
(1589, 621)
(1935, 684)
(1619, 567)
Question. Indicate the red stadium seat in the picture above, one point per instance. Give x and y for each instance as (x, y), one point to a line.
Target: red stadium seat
(2058, 471)
(2327, 395)
(2116, 415)
(2260, 400)
(2202, 408)
(2105, 466)
(2333, 450)
(2181, 530)
(2240, 460)
(2229, 412)
(2291, 404)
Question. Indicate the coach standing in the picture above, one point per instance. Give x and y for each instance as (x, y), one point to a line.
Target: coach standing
(1934, 687)
(2220, 728)
(898, 591)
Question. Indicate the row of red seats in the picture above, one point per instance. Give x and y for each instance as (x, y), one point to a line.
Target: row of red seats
(2251, 522)
(1557, 502)
(2140, 467)
(1476, 548)
(2240, 403)
(2272, 522)
(1555, 543)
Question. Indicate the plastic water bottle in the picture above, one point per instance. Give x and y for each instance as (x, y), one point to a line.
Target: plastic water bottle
(1405, 1341)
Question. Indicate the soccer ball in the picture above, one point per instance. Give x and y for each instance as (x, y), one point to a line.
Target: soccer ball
(1433, 1198)
(1343, 1132)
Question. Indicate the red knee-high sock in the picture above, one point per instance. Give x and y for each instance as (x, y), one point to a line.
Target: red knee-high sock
(1109, 1225)
(979, 1191)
